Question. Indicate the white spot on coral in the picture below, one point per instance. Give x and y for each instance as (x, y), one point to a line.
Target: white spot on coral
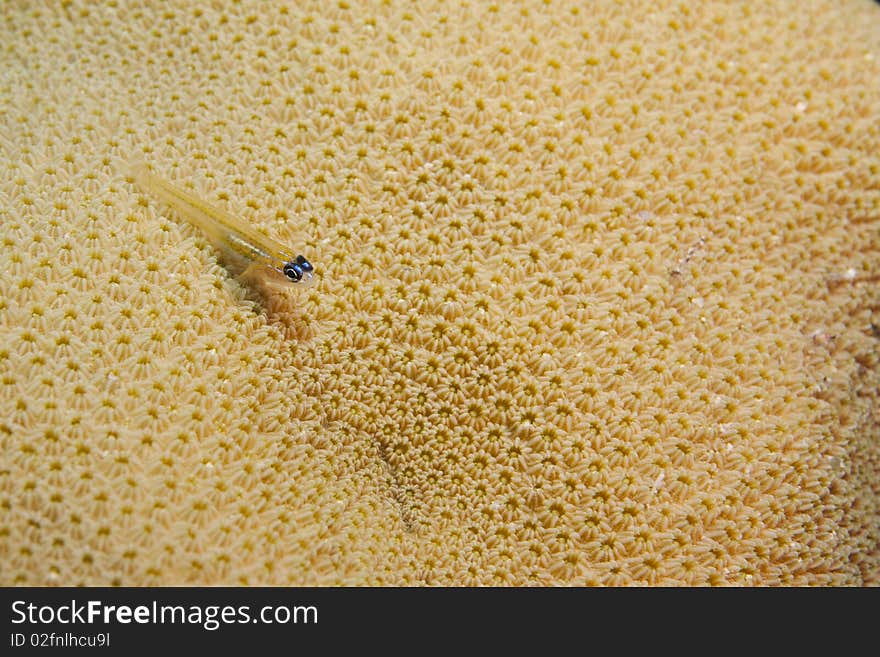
(658, 482)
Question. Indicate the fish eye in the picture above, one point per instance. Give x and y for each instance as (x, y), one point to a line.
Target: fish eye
(304, 264)
(293, 271)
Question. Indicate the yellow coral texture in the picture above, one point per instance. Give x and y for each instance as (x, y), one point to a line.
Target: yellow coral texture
(597, 294)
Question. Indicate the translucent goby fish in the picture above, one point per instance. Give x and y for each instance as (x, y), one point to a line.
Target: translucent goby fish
(245, 252)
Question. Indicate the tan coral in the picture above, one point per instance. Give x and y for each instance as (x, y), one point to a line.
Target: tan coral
(597, 297)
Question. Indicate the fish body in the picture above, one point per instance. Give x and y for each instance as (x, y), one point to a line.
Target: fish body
(244, 251)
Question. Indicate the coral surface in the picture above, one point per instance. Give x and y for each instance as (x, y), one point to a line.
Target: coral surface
(597, 296)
